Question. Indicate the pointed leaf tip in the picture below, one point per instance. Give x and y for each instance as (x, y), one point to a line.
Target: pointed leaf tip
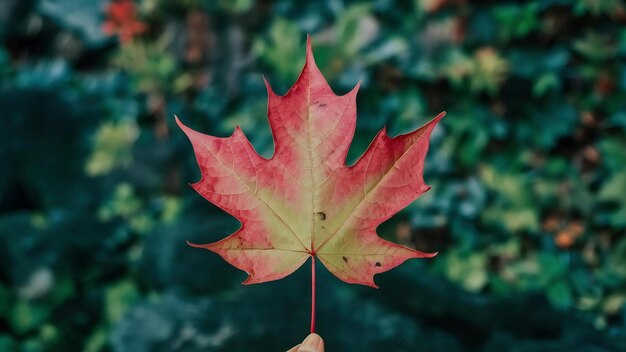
(248, 280)
(191, 244)
(266, 82)
(419, 254)
(355, 89)
(182, 126)
(309, 52)
(439, 116)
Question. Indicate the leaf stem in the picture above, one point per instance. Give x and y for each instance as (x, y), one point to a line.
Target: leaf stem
(312, 294)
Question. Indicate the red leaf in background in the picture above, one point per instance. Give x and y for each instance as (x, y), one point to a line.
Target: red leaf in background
(122, 20)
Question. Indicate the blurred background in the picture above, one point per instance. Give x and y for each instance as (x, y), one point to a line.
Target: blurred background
(527, 210)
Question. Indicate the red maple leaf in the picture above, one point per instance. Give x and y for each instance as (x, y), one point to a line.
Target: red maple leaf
(122, 20)
(305, 202)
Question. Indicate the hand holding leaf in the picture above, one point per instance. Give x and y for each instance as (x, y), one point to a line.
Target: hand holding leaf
(305, 202)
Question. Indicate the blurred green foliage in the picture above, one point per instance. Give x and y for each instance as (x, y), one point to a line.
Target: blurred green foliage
(527, 210)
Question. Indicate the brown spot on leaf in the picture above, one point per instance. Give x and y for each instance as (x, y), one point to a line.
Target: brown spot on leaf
(322, 215)
(345, 259)
(378, 264)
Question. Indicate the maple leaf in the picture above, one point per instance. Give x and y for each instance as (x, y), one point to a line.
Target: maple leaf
(122, 20)
(305, 201)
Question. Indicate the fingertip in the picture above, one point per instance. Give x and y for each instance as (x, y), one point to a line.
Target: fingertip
(312, 343)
